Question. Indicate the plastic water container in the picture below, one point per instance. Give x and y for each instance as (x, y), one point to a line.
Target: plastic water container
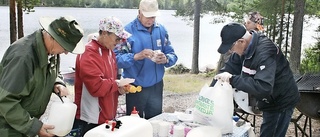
(61, 115)
(131, 127)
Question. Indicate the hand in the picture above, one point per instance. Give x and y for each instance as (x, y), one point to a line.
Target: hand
(146, 53)
(224, 77)
(44, 131)
(61, 90)
(122, 90)
(160, 58)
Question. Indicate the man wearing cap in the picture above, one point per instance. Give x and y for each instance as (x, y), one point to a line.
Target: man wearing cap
(96, 89)
(258, 67)
(29, 75)
(147, 54)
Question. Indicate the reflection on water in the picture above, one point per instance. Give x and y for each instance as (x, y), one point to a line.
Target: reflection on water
(180, 34)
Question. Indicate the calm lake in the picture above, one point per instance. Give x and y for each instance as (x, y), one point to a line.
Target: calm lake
(180, 34)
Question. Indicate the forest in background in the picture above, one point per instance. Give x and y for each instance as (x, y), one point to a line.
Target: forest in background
(283, 23)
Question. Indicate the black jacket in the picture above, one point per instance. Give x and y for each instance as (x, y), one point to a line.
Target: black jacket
(264, 72)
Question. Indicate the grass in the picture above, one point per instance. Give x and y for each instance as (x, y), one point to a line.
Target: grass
(184, 83)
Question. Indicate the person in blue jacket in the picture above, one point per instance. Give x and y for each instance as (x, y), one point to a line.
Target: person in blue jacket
(258, 67)
(144, 57)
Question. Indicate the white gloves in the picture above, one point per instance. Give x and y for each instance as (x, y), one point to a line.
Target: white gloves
(224, 77)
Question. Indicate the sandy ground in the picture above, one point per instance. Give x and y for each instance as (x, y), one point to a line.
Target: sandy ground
(182, 101)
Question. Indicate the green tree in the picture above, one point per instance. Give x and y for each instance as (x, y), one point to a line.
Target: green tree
(13, 21)
(196, 35)
(311, 61)
(278, 21)
(20, 18)
(20, 5)
(192, 11)
(295, 56)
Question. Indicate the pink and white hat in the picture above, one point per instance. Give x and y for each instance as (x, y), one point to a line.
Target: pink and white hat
(114, 25)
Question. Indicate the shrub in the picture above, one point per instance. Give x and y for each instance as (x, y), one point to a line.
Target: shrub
(178, 69)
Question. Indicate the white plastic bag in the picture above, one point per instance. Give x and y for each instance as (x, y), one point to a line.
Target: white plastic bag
(214, 106)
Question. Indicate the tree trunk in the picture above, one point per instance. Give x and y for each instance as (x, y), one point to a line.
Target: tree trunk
(274, 27)
(295, 53)
(20, 19)
(196, 29)
(281, 24)
(13, 27)
(288, 30)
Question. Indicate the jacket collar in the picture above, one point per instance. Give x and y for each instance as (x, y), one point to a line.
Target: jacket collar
(41, 49)
(253, 45)
(140, 27)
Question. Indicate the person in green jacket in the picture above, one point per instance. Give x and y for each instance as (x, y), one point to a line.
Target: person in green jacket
(29, 74)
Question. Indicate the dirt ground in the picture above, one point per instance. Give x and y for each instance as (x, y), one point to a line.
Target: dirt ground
(182, 101)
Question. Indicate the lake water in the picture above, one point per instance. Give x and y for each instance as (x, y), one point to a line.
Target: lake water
(180, 34)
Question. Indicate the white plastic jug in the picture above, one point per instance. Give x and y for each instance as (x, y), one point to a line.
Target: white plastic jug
(61, 115)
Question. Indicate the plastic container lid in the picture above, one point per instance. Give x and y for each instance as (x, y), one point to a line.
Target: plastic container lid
(134, 111)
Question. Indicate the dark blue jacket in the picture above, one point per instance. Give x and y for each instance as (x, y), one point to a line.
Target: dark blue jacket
(264, 72)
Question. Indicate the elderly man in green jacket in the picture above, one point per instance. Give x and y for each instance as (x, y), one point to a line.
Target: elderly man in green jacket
(29, 75)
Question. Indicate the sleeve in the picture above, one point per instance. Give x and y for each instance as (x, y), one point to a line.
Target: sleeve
(124, 55)
(261, 84)
(93, 76)
(13, 82)
(59, 80)
(169, 50)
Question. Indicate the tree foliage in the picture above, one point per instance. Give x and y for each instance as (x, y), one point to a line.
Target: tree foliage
(207, 7)
(28, 5)
(311, 61)
(278, 15)
(192, 11)
(278, 21)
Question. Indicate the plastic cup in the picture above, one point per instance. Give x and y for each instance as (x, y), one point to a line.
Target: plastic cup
(155, 127)
(178, 131)
(164, 128)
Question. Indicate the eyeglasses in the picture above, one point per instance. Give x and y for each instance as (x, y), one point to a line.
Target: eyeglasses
(118, 39)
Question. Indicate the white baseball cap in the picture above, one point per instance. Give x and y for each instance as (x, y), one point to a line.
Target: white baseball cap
(149, 8)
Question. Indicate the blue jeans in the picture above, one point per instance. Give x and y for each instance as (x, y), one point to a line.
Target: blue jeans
(148, 102)
(275, 124)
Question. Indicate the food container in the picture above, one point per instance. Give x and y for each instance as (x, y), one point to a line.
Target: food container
(61, 115)
(130, 127)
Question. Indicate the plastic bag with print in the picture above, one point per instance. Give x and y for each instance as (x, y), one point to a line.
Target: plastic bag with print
(214, 106)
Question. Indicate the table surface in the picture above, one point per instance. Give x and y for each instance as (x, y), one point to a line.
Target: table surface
(241, 131)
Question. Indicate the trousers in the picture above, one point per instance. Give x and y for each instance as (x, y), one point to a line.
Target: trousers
(148, 102)
(275, 124)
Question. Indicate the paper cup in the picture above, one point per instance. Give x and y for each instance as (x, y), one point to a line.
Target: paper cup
(155, 126)
(164, 128)
(178, 131)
